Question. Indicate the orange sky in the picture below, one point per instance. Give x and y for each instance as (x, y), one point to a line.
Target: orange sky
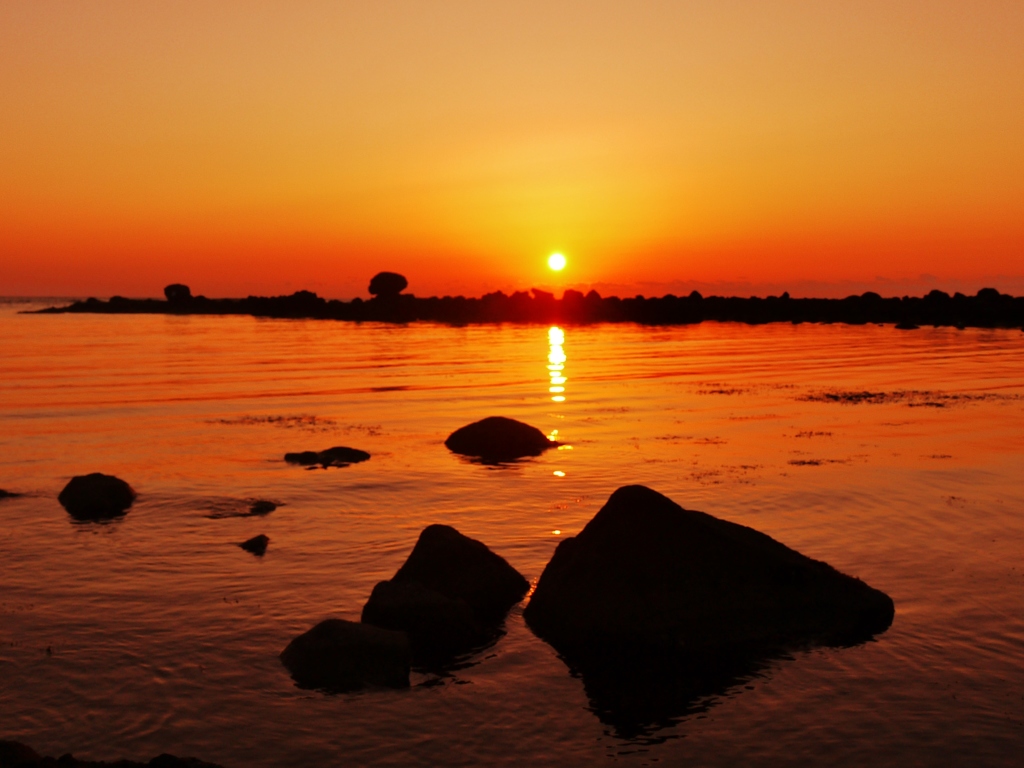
(255, 147)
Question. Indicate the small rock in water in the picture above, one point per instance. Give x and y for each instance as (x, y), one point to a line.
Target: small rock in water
(497, 439)
(338, 655)
(7, 494)
(338, 456)
(96, 497)
(450, 595)
(257, 545)
(262, 507)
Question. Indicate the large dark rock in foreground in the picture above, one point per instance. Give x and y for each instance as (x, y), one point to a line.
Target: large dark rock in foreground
(657, 606)
(646, 570)
(339, 456)
(450, 595)
(497, 439)
(387, 284)
(96, 497)
(14, 754)
(338, 655)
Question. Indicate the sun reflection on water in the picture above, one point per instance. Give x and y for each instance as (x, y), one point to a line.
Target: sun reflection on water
(556, 364)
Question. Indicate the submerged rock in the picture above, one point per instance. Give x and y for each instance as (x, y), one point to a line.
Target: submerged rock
(657, 606)
(497, 438)
(450, 595)
(338, 655)
(387, 284)
(262, 507)
(222, 508)
(96, 497)
(338, 456)
(257, 545)
(14, 754)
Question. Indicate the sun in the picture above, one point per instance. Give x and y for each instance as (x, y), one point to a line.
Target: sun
(556, 261)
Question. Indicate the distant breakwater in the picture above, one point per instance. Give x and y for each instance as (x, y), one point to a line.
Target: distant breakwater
(987, 309)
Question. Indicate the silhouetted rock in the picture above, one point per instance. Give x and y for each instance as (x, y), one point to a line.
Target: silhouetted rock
(16, 755)
(438, 627)
(497, 438)
(261, 507)
(177, 293)
(657, 606)
(463, 569)
(338, 456)
(450, 595)
(646, 570)
(339, 655)
(385, 284)
(96, 497)
(7, 494)
(257, 545)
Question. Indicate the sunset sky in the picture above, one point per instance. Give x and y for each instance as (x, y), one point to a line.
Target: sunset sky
(741, 147)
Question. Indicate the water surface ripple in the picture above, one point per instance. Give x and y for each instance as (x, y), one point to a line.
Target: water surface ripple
(893, 455)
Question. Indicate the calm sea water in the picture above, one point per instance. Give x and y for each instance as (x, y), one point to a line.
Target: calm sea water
(157, 633)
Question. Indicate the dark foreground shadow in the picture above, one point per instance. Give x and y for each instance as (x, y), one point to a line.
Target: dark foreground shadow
(640, 697)
(443, 666)
(640, 692)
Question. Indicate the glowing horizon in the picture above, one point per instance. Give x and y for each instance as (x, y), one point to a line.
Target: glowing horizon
(268, 148)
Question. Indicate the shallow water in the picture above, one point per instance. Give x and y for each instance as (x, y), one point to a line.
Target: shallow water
(157, 633)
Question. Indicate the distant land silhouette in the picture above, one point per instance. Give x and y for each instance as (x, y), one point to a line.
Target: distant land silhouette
(987, 309)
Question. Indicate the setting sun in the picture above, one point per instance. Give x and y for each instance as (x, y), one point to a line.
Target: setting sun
(556, 261)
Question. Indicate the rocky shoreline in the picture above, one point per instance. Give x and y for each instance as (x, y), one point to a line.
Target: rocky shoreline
(987, 309)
